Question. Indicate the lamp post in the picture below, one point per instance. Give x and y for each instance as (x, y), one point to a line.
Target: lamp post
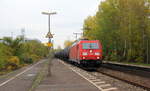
(49, 35)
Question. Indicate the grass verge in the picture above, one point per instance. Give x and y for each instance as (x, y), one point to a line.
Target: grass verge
(39, 77)
(132, 63)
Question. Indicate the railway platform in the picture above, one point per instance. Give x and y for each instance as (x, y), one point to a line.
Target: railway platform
(64, 79)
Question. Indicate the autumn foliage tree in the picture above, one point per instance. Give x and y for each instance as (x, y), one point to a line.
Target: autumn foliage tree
(123, 27)
(15, 53)
(68, 43)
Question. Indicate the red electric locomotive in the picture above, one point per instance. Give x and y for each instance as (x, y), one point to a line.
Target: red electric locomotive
(86, 53)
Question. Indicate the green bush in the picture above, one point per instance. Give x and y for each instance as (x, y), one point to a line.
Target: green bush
(114, 56)
(15, 53)
(5, 52)
(34, 57)
(25, 58)
(13, 63)
(139, 59)
(31, 51)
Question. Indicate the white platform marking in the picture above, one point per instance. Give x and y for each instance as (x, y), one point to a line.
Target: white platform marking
(96, 80)
(105, 85)
(109, 89)
(100, 82)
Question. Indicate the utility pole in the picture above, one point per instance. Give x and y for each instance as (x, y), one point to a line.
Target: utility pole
(12, 35)
(49, 36)
(23, 34)
(76, 35)
(147, 51)
(125, 47)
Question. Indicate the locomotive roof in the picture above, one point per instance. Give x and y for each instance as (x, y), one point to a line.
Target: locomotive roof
(78, 41)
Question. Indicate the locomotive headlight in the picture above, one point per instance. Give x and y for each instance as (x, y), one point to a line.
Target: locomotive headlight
(97, 53)
(84, 53)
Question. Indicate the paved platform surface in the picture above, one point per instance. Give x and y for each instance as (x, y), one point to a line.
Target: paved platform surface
(22, 79)
(64, 79)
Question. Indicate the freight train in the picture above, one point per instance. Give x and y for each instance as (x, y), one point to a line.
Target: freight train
(87, 53)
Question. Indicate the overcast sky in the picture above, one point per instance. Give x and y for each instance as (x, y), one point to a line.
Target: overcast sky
(18, 14)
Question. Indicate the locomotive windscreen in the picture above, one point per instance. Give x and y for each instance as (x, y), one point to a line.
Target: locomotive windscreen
(90, 46)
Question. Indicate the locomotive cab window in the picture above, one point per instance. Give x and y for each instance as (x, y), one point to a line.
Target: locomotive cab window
(90, 46)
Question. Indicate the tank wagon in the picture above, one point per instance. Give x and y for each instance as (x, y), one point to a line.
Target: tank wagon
(87, 53)
(63, 54)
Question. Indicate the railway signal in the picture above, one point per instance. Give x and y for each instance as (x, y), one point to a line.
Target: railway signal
(49, 44)
(49, 35)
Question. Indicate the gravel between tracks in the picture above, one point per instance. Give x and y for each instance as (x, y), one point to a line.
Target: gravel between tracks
(122, 86)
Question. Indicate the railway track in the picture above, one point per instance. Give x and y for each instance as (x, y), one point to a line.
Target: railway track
(138, 76)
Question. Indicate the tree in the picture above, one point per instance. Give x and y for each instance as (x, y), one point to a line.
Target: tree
(14, 44)
(123, 28)
(68, 43)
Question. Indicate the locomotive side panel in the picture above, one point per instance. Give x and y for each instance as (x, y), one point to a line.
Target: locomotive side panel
(73, 53)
